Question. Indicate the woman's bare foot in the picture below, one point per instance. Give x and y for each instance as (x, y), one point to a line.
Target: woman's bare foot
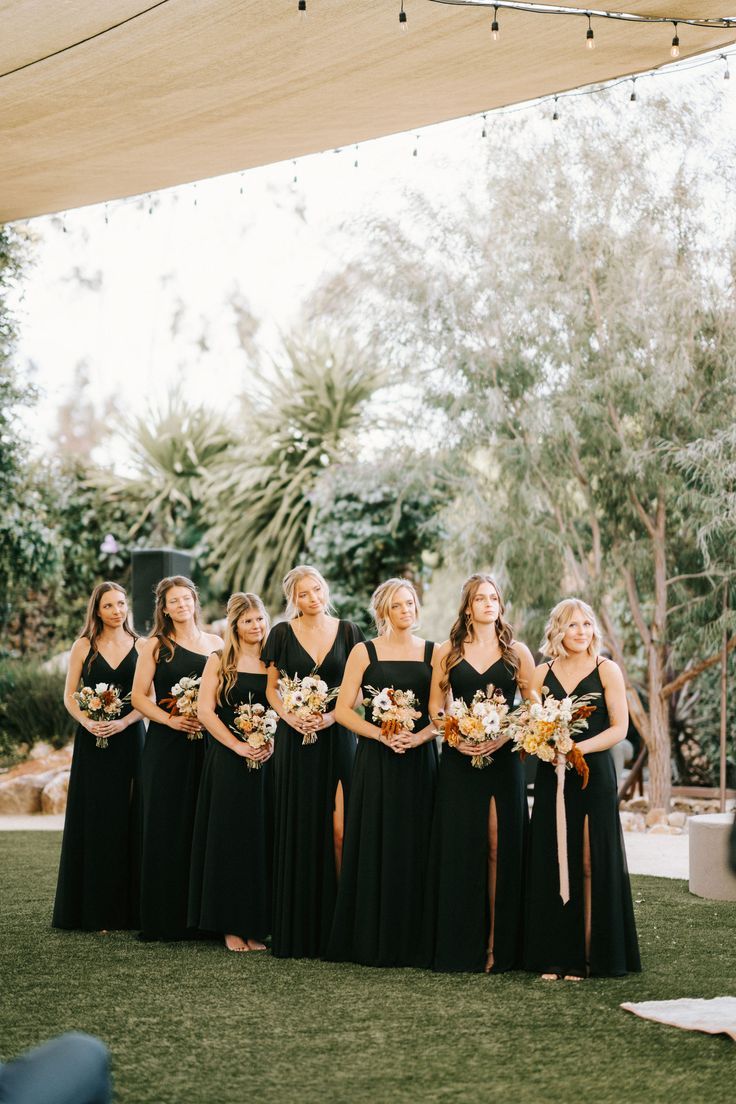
(235, 943)
(255, 945)
(489, 963)
(573, 977)
(550, 977)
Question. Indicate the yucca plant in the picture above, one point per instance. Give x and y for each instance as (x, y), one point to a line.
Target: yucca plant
(301, 416)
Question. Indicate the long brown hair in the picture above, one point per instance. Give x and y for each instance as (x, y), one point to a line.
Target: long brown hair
(93, 625)
(462, 631)
(227, 672)
(163, 626)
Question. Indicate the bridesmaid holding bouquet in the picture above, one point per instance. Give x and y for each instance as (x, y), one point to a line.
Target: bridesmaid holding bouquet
(170, 664)
(313, 762)
(98, 875)
(378, 916)
(230, 882)
(593, 931)
(474, 908)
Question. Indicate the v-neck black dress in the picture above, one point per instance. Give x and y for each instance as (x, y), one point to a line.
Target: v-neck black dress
(170, 774)
(100, 850)
(306, 778)
(230, 880)
(380, 901)
(458, 908)
(554, 934)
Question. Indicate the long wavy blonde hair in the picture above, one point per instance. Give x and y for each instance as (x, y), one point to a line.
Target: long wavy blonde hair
(93, 625)
(382, 598)
(227, 672)
(461, 632)
(163, 627)
(556, 627)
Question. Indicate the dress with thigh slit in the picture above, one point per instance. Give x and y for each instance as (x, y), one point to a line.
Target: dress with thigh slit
(380, 903)
(554, 933)
(458, 920)
(306, 780)
(100, 851)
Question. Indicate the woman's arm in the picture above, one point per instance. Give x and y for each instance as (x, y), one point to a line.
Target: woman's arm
(618, 711)
(140, 697)
(408, 739)
(438, 698)
(305, 725)
(351, 694)
(206, 705)
(77, 656)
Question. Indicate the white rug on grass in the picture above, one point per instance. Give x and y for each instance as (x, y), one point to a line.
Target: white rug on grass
(716, 1016)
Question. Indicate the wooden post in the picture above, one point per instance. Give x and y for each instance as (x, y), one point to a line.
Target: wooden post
(724, 699)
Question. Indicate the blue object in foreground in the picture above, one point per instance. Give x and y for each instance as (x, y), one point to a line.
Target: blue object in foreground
(71, 1069)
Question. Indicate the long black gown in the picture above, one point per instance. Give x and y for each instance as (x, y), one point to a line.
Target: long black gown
(230, 880)
(458, 909)
(380, 902)
(306, 778)
(100, 851)
(170, 774)
(554, 934)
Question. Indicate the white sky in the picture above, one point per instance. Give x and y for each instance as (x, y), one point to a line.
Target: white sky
(143, 267)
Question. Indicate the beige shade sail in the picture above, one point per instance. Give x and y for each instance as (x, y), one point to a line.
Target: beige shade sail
(111, 98)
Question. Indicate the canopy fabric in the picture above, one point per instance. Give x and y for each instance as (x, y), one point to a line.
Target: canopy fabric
(189, 89)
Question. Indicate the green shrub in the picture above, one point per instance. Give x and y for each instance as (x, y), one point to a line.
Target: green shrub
(31, 707)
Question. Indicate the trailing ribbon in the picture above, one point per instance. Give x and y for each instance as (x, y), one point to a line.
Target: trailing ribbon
(561, 824)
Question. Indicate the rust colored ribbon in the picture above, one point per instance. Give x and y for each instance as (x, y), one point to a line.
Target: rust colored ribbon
(577, 759)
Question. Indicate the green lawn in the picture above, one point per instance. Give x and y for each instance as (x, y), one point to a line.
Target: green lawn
(191, 1023)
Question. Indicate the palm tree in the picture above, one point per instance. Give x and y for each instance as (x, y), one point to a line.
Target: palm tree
(301, 417)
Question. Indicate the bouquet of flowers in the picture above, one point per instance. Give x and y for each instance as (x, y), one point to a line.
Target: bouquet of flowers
(305, 697)
(543, 728)
(256, 726)
(101, 704)
(484, 719)
(183, 701)
(393, 709)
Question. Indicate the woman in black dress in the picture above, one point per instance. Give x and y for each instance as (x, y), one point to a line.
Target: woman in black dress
(474, 903)
(172, 757)
(312, 780)
(230, 880)
(98, 874)
(594, 932)
(378, 915)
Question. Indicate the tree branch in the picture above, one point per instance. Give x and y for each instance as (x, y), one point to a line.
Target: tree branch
(636, 610)
(695, 670)
(643, 515)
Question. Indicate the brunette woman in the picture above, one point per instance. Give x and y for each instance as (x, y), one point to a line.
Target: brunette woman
(312, 780)
(98, 874)
(474, 908)
(378, 916)
(172, 758)
(594, 932)
(230, 881)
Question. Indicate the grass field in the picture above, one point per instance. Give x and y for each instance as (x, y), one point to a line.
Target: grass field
(190, 1023)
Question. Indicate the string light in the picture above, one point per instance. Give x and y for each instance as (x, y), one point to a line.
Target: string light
(403, 24)
(355, 163)
(495, 33)
(675, 50)
(727, 74)
(484, 132)
(589, 35)
(632, 97)
(295, 176)
(302, 9)
(416, 148)
(556, 114)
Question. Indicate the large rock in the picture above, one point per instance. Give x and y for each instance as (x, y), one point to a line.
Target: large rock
(21, 795)
(54, 762)
(632, 822)
(53, 795)
(664, 830)
(656, 816)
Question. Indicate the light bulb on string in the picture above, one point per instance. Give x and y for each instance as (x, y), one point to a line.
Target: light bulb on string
(727, 74)
(495, 32)
(590, 36)
(355, 163)
(403, 22)
(484, 132)
(632, 97)
(302, 9)
(675, 49)
(416, 147)
(556, 113)
(295, 176)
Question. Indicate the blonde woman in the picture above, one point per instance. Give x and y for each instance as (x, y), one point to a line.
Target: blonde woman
(172, 757)
(98, 873)
(474, 907)
(230, 879)
(312, 780)
(594, 932)
(378, 916)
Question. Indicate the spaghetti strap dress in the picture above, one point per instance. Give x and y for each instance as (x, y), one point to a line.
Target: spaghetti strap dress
(306, 778)
(458, 908)
(100, 851)
(380, 902)
(170, 774)
(230, 878)
(554, 933)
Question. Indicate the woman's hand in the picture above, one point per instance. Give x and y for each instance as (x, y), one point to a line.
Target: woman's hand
(303, 725)
(324, 720)
(111, 728)
(184, 724)
(256, 755)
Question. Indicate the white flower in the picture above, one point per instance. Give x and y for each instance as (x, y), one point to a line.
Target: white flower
(176, 689)
(382, 701)
(321, 686)
(309, 683)
(101, 687)
(536, 711)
